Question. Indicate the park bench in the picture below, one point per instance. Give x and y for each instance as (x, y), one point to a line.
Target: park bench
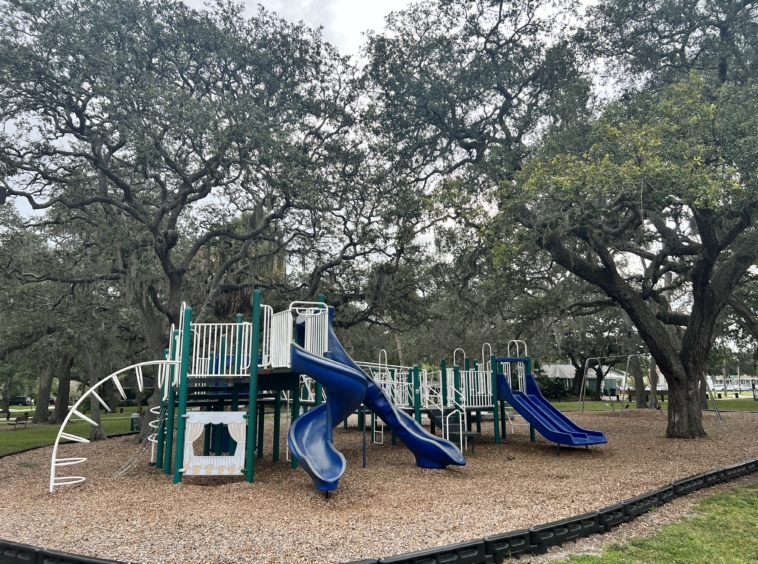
(20, 419)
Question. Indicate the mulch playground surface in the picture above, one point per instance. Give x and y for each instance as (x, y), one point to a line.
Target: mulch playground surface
(388, 508)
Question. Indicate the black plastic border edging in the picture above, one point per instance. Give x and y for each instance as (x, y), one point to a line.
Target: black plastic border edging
(537, 539)
(62, 443)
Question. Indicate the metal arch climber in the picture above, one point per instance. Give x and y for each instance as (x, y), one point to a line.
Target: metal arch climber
(163, 365)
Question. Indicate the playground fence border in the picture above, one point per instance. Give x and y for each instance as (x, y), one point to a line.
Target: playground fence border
(496, 548)
(490, 549)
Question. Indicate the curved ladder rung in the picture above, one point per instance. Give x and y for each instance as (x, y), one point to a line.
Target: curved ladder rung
(68, 480)
(75, 438)
(84, 418)
(98, 398)
(69, 461)
(118, 386)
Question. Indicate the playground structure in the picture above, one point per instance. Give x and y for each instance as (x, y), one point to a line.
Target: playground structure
(304, 373)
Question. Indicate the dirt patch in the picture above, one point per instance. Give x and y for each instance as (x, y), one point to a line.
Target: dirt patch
(388, 508)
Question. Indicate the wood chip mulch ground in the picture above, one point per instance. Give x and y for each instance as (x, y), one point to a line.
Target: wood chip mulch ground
(388, 508)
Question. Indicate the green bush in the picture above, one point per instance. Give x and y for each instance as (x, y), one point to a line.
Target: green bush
(552, 389)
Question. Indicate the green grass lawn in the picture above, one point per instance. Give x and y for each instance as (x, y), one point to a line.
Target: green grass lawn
(40, 435)
(723, 529)
(741, 404)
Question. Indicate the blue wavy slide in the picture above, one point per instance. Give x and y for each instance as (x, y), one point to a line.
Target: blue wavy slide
(544, 417)
(347, 386)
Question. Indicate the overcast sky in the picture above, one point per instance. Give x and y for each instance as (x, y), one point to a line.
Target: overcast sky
(344, 21)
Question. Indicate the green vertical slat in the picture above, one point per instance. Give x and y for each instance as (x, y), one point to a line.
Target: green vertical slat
(295, 414)
(208, 429)
(261, 427)
(443, 383)
(181, 422)
(253, 391)
(495, 414)
(277, 424)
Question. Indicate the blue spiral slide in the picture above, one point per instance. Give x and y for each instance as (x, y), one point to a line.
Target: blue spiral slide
(347, 386)
(544, 417)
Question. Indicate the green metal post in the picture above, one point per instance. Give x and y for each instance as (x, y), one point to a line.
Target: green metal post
(295, 414)
(170, 411)
(393, 399)
(162, 427)
(416, 394)
(261, 421)
(502, 419)
(277, 424)
(181, 422)
(443, 383)
(253, 389)
(495, 414)
(319, 387)
(211, 363)
(466, 364)
(531, 434)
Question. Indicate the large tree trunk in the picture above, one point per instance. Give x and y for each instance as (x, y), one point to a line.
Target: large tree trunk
(599, 376)
(64, 389)
(653, 379)
(639, 382)
(685, 415)
(95, 433)
(7, 394)
(42, 409)
(576, 387)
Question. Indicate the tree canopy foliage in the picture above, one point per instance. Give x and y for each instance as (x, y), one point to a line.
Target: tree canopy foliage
(583, 178)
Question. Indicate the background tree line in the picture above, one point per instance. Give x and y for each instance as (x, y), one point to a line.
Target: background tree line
(583, 179)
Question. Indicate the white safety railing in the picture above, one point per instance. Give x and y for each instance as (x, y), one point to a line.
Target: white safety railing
(510, 413)
(220, 349)
(283, 331)
(518, 345)
(58, 462)
(267, 312)
(476, 388)
(395, 381)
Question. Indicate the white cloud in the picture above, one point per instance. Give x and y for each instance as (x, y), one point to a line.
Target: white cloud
(343, 21)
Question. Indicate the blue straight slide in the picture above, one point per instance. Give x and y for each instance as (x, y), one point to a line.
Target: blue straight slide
(347, 386)
(544, 417)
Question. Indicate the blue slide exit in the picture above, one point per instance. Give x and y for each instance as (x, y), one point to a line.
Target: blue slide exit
(544, 417)
(347, 386)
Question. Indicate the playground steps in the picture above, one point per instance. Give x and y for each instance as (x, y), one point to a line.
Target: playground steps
(455, 428)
